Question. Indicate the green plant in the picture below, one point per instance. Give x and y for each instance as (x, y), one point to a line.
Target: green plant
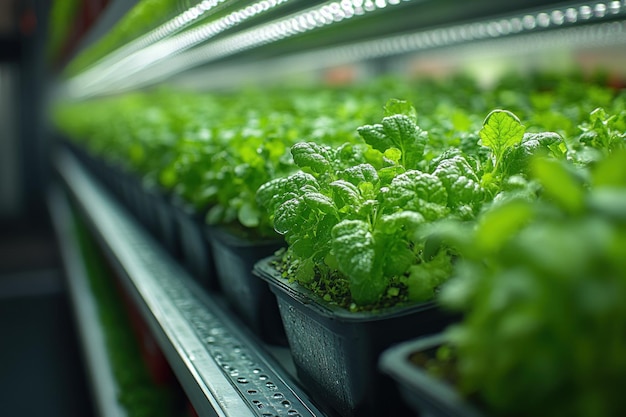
(353, 216)
(541, 285)
(212, 151)
(221, 173)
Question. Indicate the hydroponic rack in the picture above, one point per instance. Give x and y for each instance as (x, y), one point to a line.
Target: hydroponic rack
(211, 45)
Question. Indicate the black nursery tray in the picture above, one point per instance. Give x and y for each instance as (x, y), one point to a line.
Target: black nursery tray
(250, 297)
(336, 351)
(195, 250)
(427, 395)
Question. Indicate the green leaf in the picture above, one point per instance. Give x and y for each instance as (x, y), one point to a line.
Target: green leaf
(393, 235)
(320, 202)
(460, 292)
(394, 155)
(426, 276)
(249, 215)
(323, 233)
(303, 247)
(516, 159)
(402, 220)
(611, 172)
(447, 154)
(306, 271)
(387, 174)
(289, 214)
(346, 193)
(310, 155)
(395, 106)
(400, 132)
(559, 184)
(354, 249)
(275, 192)
(610, 202)
(417, 191)
(359, 173)
(348, 155)
(375, 136)
(410, 139)
(498, 224)
(460, 181)
(215, 215)
(400, 258)
(501, 130)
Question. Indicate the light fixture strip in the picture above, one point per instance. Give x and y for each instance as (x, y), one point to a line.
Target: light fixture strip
(491, 29)
(434, 38)
(169, 28)
(308, 20)
(336, 11)
(128, 64)
(225, 76)
(180, 43)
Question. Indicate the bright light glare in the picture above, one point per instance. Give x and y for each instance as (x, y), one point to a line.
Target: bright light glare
(131, 71)
(164, 46)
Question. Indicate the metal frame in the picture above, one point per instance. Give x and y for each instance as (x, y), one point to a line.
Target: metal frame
(104, 386)
(224, 370)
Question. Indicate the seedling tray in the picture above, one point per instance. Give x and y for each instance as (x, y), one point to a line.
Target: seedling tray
(336, 351)
(195, 250)
(165, 228)
(249, 296)
(425, 394)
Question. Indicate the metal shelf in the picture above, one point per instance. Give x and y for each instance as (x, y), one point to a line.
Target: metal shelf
(224, 370)
(103, 382)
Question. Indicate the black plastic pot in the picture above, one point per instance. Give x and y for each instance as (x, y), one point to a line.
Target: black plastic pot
(153, 210)
(150, 199)
(427, 395)
(163, 221)
(249, 296)
(130, 192)
(195, 250)
(112, 177)
(336, 351)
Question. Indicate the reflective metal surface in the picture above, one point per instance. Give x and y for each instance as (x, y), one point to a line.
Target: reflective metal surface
(223, 371)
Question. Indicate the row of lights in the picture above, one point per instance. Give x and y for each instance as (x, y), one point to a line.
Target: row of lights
(331, 12)
(108, 73)
(179, 43)
(323, 15)
(574, 36)
(181, 21)
(158, 44)
(337, 11)
(167, 29)
(441, 37)
(503, 27)
(587, 36)
(205, 32)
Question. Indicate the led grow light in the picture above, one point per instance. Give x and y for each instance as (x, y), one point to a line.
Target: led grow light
(103, 78)
(160, 44)
(167, 29)
(483, 30)
(337, 11)
(486, 34)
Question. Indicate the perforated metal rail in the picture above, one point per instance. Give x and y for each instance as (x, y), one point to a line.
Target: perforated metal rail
(223, 370)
